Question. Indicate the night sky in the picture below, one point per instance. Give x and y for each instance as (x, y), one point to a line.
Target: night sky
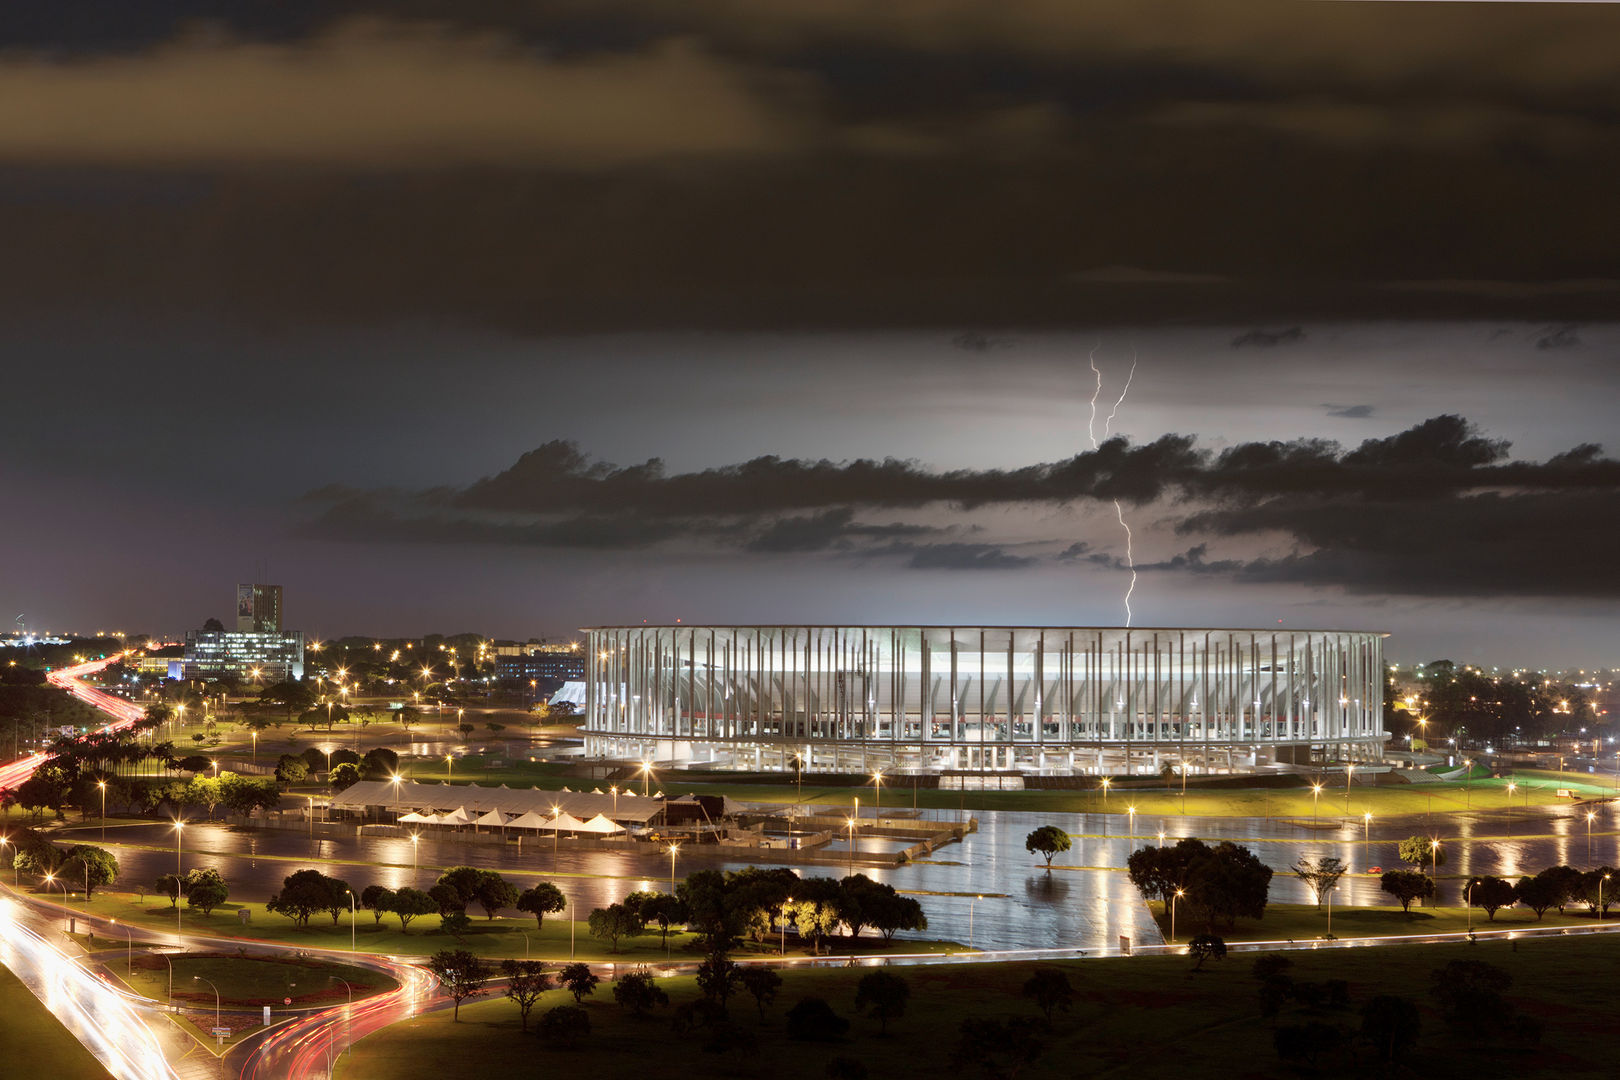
(517, 317)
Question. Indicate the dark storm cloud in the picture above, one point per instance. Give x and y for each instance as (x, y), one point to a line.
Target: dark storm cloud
(547, 167)
(1561, 337)
(1348, 412)
(1437, 509)
(1267, 339)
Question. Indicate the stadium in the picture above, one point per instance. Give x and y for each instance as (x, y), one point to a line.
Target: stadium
(962, 702)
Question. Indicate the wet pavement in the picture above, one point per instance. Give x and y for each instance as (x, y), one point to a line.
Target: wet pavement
(986, 890)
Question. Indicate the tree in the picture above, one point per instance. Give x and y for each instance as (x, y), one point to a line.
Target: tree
(1390, 1025)
(1048, 840)
(1206, 947)
(377, 899)
(292, 696)
(205, 889)
(1407, 886)
(90, 866)
(304, 892)
(762, 983)
(638, 993)
(291, 769)
(614, 922)
(379, 763)
(343, 776)
(1596, 889)
(1545, 890)
(813, 1020)
(565, 1026)
(1157, 872)
(1051, 991)
(526, 980)
(1228, 881)
(168, 885)
(664, 909)
(1000, 1048)
(1320, 874)
(542, 900)
(1568, 881)
(455, 923)
(882, 995)
(579, 980)
(494, 893)
(1421, 851)
(1490, 893)
(445, 899)
(409, 903)
(460, 973)
(718, 977)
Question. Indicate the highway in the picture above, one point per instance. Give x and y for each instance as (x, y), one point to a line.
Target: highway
(123, 713)
(109, 1023)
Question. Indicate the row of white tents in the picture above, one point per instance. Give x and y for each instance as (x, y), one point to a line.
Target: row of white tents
(562, 822)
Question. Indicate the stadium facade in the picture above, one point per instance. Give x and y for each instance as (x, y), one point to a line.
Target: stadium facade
(962, 700)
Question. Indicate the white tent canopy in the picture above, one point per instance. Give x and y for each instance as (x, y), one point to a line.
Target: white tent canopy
(427, 799)
(600, 824)
(493, 817)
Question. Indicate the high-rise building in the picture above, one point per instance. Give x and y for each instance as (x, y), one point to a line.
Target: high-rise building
(258, 608)
(258, 649)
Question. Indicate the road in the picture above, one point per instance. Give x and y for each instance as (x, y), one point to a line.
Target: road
(123, 713)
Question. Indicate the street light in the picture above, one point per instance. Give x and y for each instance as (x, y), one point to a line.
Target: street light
(646, 778)
(877, 794)
(414, 838)
(1316, 798)
(1330, 893)
(1366, 834)
(5, 842)
(1601, 880)
(348, 1038)
(351, 918)
(1130, 814)
(199, 978)
(50, 879)
(1511, 788)
(556, 833)
(129, 952)
(1590, 814)
(785, 903)
(1434, 856)
(850, 822)
(102, 784)
(179, 831)
(1349, 771)
(673, 848)
(1178, 894)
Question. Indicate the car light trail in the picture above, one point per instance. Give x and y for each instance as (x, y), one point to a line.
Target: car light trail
(124, 714)
(102, 1019)
(305, 1048)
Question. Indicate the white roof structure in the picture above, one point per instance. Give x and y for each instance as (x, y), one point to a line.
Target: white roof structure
(600, 824)
(493, 817)
(425, 799)
(530, 820)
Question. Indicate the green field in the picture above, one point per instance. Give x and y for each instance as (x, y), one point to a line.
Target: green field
(30, 1036)
(500, 937)
(248, 981)
(1146, 1017)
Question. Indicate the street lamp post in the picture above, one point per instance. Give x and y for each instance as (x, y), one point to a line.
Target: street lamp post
(1316, 799)
(851, 846)
(50, 879)
(556, 833)
(179, 831)
(5, 842)
(1349, 771)
(1434, 864)
(129, 950)
(1511, 788)
(1601, 880)
(199, 978)
(351, 919)
(1590, 814)
(102, 784)
(415, 837)
(673, 849)
(877, 794)
(646, 779)
(1177, 895)
(785, 904)
(348, 1038)
(1130, 814)
(1366, 836)
(1330, 893)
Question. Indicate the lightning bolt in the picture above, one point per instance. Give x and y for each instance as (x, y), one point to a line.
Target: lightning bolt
(1091, 425)
(1091, 433)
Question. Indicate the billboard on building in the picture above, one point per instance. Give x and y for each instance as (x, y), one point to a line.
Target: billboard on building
(244, 601)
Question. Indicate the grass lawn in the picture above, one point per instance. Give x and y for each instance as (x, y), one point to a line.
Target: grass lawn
(248, 981)
(501, 937)
(31, 1037)
(1146, 1017)
(1535, 789)
(1304, 922)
